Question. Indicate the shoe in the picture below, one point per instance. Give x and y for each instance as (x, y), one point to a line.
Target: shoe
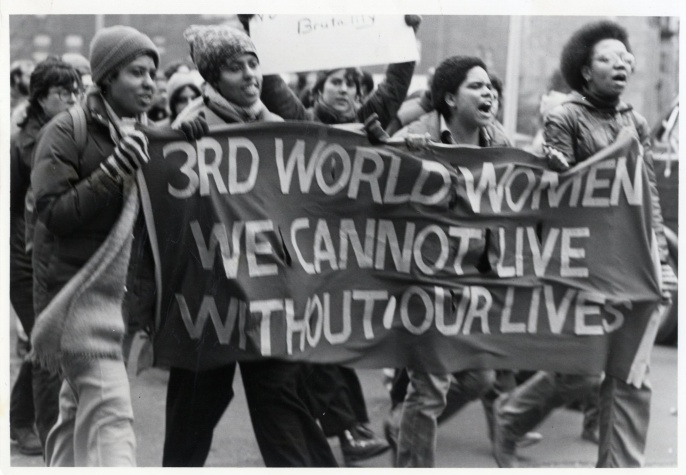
(591, 435)
(529, 439)
(504, 448)
(360, 443)
(27, 440)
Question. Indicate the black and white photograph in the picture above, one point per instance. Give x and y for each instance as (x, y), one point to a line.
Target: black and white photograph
(372, 235)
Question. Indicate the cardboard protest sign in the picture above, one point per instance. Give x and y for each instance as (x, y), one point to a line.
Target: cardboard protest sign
(302, 241)
(293, 43)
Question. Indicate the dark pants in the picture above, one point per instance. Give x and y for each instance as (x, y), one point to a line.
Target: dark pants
(21, 297)
(21, 399)
(336, 396)
(285, 430)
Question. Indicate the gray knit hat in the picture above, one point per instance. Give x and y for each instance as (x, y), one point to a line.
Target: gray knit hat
(115, 46)
(212, 46)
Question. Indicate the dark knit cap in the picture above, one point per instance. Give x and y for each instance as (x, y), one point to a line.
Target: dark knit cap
(115, 46)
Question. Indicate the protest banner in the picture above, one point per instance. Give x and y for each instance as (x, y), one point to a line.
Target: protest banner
(294, 43)
(302, 241)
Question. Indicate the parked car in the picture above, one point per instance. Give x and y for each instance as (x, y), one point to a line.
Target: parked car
(665, 137)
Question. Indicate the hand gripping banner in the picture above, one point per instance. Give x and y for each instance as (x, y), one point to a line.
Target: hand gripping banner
(303, 242)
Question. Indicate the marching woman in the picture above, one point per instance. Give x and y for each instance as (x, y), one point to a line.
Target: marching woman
(86, 200)
(55, 86)
(597, 64)
(463, 100)
(286, 432)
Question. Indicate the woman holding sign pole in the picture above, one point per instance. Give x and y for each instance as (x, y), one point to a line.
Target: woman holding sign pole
(597, 64)
(335, 392)
(286, 432)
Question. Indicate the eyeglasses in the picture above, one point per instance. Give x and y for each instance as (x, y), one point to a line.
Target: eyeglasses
(65, 95)
(612, 57)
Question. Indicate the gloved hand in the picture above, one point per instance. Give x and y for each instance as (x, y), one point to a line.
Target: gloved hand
(128, 156)
(375, 133)
(414, 21)
(195, 129)
(556, 160)
(417, 142)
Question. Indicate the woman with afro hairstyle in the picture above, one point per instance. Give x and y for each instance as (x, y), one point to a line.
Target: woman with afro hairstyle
(597, 64)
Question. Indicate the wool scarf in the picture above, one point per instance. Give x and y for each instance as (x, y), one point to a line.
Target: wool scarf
(231, 112)
(330, 116)
(85, 318)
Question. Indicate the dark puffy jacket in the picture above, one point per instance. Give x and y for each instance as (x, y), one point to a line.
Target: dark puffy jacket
(76, 202)
(578, 129)
(384, 101)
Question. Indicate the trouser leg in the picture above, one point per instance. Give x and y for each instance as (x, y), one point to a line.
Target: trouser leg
(331, 396)
(59, 444)
(425, 401)
(399, 387)
(21, 398)
(286, 432)
(196, 401)
(103, 431)
(530, 403)
(465, 387)
(46, 395)
(624, 420)
(356, 396)
(95, 426)
(504, 383)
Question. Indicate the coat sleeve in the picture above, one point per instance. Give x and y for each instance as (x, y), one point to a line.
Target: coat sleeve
(388, 97)
(559, 131)
(658, 223)
(66, 200)
(279, 99)
(19, 177)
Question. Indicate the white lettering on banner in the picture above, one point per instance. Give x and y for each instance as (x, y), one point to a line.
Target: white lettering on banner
(230, 255)
(208, 308)
(601, 186)
(208, 155)
(365, 170)
(469, 310)
(429, 249)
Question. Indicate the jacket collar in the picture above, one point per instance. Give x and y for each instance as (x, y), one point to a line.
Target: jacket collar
(446, 135)
(576, 97)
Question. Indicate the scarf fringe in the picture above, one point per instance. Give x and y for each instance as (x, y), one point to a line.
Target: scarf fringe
(52, 362)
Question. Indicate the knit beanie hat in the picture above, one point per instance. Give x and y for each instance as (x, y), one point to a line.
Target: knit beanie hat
(182, 79)
(116, 46)
(78, 61)
(214, 45)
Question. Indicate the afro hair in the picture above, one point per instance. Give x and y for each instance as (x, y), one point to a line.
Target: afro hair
(577, 52)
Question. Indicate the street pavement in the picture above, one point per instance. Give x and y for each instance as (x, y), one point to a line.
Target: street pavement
(462, 441)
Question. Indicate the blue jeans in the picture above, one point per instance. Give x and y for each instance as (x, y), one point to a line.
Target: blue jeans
(95, 423)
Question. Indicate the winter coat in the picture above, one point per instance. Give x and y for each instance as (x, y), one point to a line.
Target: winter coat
(384, 101)
(76, 202)
(578, 129)
(491, 136)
